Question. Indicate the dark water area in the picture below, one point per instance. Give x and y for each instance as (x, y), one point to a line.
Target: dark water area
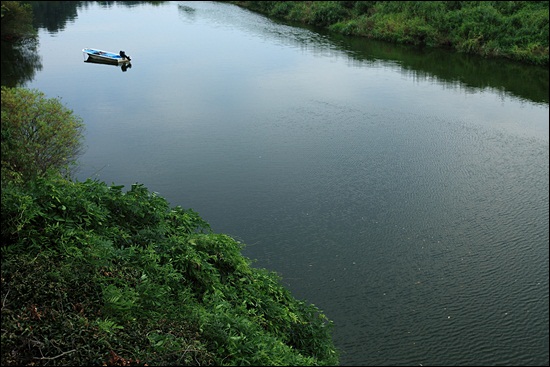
(402, 191)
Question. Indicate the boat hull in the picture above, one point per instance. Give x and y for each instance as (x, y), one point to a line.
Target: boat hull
(124, 66)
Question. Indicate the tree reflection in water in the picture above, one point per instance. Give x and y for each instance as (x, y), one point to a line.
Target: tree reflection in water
(20, 61)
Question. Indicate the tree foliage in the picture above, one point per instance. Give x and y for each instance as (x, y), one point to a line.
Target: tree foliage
(16, 21)
(38, 134)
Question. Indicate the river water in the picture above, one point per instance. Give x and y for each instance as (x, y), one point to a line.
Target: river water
(402, 191)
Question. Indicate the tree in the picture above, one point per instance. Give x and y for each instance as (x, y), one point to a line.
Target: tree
(38, 134)
(16, 21)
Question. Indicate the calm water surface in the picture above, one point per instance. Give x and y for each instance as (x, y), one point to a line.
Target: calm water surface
(404, 192)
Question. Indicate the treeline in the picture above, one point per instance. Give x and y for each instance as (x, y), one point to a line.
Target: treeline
(516, 30)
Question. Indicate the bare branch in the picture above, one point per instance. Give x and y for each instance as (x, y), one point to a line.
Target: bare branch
(62, 354)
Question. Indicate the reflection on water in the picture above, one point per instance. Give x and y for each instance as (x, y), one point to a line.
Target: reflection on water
(20, 62)
(123, 66)
(469, 71)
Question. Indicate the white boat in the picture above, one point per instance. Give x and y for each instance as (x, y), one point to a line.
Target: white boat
(105, 56)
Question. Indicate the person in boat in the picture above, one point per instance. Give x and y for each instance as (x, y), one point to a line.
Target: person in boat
(124, 56)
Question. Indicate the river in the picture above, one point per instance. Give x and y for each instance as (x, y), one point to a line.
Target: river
(402, 191)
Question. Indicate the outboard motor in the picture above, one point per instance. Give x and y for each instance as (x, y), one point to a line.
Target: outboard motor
(124, 56)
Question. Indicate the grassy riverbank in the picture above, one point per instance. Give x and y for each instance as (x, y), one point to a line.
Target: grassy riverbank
(515, 30)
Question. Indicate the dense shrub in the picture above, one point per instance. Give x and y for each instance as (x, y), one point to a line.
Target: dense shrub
(327, 13)
(38, 134)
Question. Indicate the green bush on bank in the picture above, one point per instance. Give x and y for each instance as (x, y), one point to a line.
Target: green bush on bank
(517, 30)
(95, 275)
(38, 134)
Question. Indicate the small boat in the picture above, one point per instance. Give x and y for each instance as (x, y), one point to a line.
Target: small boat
(105, 56)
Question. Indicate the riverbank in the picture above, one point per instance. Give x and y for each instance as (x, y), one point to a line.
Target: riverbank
(514, 30)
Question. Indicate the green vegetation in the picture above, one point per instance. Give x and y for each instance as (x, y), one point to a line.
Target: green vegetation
(516, 30)
(95, 275)
(16, 22)
(38, 134)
